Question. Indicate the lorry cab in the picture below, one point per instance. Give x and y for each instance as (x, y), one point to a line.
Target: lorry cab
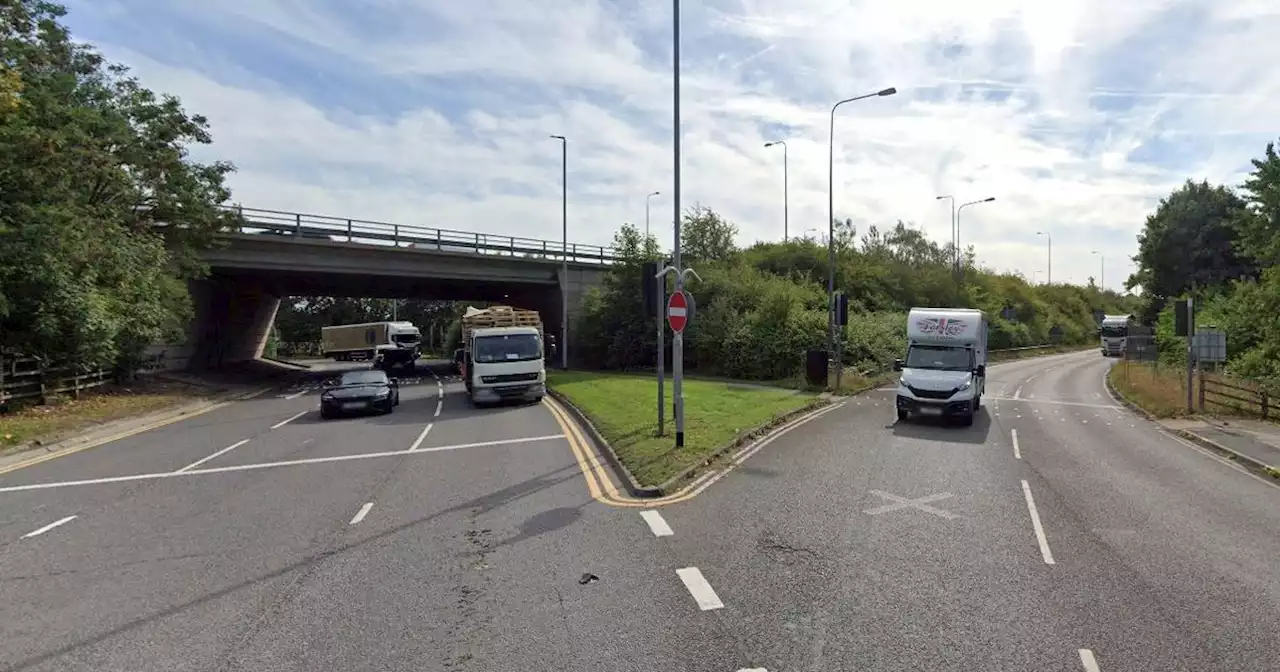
(944, 372)
(1113, 334)
(504, 363)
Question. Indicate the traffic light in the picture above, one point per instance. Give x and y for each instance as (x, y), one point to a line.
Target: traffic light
(841, 308)
(649, 287)
(1180, 317)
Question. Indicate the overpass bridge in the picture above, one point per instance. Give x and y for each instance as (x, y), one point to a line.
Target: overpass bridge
(275, 254)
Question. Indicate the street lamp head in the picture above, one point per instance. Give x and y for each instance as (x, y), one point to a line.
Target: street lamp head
(988, 199)
(558, 137)
(655, 193)
(887, 92)
(939, 198)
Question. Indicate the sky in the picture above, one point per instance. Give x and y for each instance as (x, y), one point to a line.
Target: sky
(1077, 116)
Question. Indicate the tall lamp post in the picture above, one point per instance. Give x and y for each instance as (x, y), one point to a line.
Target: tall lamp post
(957, 225)
(786, 208)
(1049, 238)
(646, 214)
(1102, 268)
(831, 218)
(955, 244)
(564, 268)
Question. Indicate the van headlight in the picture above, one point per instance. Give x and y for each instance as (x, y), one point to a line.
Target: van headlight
(965, 385)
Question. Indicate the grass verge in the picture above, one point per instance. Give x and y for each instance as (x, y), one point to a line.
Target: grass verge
(1161, 392)
(64, 415)
(623, 407)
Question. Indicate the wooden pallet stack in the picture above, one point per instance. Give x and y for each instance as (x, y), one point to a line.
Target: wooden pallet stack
(501, 316)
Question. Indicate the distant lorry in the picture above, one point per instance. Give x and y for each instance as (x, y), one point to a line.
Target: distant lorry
(1114, 334)
(945, 371)
(503, 355)
(387, 344)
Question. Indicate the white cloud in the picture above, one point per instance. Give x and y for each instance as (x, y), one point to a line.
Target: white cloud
(1077, 115)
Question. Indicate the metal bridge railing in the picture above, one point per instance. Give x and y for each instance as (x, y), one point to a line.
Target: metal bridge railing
(280, 223)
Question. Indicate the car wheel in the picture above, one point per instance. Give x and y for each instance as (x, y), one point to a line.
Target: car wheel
(397, 399)
(325, 414)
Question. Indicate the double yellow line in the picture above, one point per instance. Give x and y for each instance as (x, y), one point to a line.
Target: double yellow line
(595, 472)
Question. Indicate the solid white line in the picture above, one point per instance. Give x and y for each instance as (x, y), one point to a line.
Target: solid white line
(289, 419)
(364, 511)
(700, 589)
(268, 465)
(201, 461)
(46, 528)
(1035, 523)
(439, 405)
(418, 441)
(1089, 662)
(440, 391)
(657, 524)
(295, 395)
(1016, 452)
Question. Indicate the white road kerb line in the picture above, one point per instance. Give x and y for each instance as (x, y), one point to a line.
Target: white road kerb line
(224, 451)
(1016, 452)
(1035, 523)
(700, 589)
(657, 524)
(269, 465)
(50, 526)
(439, 405)
(1089, 662)
(289, 419)
(421, 437)
(364, 511)
(440, 390)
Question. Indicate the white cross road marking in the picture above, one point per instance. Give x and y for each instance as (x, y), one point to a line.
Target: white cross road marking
(920, 504)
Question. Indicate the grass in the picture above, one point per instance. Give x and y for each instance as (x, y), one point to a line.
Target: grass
(1162, 393)
(623, 407)
(65, 415)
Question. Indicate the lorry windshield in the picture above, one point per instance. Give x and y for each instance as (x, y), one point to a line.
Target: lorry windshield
(939, 357)
(406, 338)
(1115, 331)
(507, 348)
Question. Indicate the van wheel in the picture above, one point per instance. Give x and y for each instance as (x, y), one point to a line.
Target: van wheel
(967, 420)
(902, 416)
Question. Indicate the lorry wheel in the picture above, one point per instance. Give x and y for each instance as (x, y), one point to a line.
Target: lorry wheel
(902, 415)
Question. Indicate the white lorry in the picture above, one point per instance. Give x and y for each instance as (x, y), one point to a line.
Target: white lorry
(945, 370)
(386, 344)
(1113, 333)
(502, 355)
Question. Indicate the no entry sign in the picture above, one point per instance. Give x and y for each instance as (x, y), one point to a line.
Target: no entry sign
(677, 311)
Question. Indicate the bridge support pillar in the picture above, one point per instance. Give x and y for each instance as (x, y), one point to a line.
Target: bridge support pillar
(232, 322)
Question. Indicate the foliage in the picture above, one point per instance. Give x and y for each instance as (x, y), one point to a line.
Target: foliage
(95, 178)
(760, 309)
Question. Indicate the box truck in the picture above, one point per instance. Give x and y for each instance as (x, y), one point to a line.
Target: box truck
(945, 370)
(503, 355)
(387, 344)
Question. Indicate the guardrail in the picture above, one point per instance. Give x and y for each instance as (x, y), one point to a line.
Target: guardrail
(1234, 394)
(347, 230)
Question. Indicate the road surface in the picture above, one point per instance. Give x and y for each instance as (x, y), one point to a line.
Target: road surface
(257, 537)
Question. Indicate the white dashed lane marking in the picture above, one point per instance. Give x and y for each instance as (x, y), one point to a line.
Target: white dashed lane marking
(50, 526)
(364, 511)
(657, 523)
(698, 587)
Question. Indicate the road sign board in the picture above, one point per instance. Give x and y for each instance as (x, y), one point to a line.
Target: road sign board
(677, 311)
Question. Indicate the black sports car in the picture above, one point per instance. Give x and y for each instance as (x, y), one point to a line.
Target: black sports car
(360, 391)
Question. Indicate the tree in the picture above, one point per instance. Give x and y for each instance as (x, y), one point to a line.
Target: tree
(1260, 225)
(102, 213)
(1190, 239)
(706, 236)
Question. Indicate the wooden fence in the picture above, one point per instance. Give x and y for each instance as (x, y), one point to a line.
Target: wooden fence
(25, 378)
(1235, 394)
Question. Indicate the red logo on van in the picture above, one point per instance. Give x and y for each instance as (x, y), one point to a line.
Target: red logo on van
(941, 326)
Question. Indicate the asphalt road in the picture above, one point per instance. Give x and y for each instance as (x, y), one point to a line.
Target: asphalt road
(851, 543)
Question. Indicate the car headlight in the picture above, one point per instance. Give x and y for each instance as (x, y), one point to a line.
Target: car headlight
(326, 397)
(382, 394)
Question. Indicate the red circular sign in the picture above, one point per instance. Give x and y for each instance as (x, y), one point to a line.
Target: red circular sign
(677, 311)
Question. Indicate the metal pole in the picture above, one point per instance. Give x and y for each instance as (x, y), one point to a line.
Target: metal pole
(646, 218)
(1191, 333)
(661, 290)
(786, 197)
(677, 340)
(564, 256)
(1049, 237)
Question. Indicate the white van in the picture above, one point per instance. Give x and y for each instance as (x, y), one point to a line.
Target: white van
(945, 370)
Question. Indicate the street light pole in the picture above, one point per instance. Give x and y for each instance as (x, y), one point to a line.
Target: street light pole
(1050, 256)
(958, 211)
(786, 208)
(564, 268)
(677, 339)
(646, 215)
(1102, 268)
(955, 249)
(831, 218)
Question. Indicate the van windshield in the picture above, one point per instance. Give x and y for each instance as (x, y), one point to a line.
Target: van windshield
(939, 357)
(507, 348)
